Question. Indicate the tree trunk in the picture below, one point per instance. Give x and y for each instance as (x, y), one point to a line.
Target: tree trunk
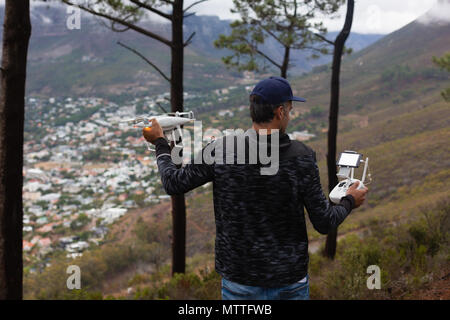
(285, 66)
(330, 246)
(176, 98)
(16, 34)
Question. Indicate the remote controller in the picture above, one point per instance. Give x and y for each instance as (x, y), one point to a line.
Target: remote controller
(348, 161)
(341, 189)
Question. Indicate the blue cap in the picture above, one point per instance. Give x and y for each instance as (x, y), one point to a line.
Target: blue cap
(275, 90)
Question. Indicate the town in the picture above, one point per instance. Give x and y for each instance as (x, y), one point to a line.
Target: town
(84, 168)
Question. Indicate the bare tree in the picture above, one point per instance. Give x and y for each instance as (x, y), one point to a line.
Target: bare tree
(127, 14)
(330, 246)
(16, 34)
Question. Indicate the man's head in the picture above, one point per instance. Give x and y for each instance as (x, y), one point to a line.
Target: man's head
(271, 103)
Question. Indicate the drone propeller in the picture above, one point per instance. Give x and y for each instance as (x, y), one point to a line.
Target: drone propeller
(187, 114)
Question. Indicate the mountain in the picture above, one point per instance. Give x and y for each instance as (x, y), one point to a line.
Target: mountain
(391, 110)
(209, 27)
(89, 61)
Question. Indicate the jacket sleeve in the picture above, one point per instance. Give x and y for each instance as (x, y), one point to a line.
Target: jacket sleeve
(180, 180)
(322, 214)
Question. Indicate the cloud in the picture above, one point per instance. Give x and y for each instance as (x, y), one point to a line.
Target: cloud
(219, 8)
(381, 16)
(437, 14)
(371, 16)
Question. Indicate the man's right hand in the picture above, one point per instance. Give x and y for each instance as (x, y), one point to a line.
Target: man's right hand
(358, 195)
(153, 133)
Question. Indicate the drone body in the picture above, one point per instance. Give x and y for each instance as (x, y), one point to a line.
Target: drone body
(169, 123)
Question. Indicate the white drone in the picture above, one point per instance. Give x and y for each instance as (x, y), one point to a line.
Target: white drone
(169, 122)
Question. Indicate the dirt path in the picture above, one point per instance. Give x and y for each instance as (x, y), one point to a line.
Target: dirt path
(124, 228)
(437, 290)
(314, 245)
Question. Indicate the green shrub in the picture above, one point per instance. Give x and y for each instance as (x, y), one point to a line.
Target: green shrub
(408, 256)
(184, 287)
(138, 279)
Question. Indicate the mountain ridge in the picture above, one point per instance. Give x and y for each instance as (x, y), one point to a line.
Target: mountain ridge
(89, 62)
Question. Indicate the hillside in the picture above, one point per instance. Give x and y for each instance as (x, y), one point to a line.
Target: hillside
(89, 62)
(392, 111)
(394, 87)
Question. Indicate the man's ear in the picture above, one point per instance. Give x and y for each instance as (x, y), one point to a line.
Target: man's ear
(279, 112)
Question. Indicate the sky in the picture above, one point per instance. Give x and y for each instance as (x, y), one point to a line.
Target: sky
(371, 16)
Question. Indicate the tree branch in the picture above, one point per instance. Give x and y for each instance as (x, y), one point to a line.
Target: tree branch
(324, 39)
(162, 108)
(112, 24)
(189, 40)
(268, 58)
(266, 29)
(286, 11)
(146, 60)
(113, 28)
(188, 15)
(319, 50)
(150, 8)
(264, 55)
(193, 5)
(255, 49)
(122, 22)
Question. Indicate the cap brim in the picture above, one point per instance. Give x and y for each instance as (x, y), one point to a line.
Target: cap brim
(298, 99)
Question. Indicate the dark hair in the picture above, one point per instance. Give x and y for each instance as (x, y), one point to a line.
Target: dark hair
(262, 112)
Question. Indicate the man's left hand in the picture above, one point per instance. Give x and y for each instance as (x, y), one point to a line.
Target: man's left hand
(153, 133)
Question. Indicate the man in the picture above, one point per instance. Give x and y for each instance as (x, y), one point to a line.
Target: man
(261, 240)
